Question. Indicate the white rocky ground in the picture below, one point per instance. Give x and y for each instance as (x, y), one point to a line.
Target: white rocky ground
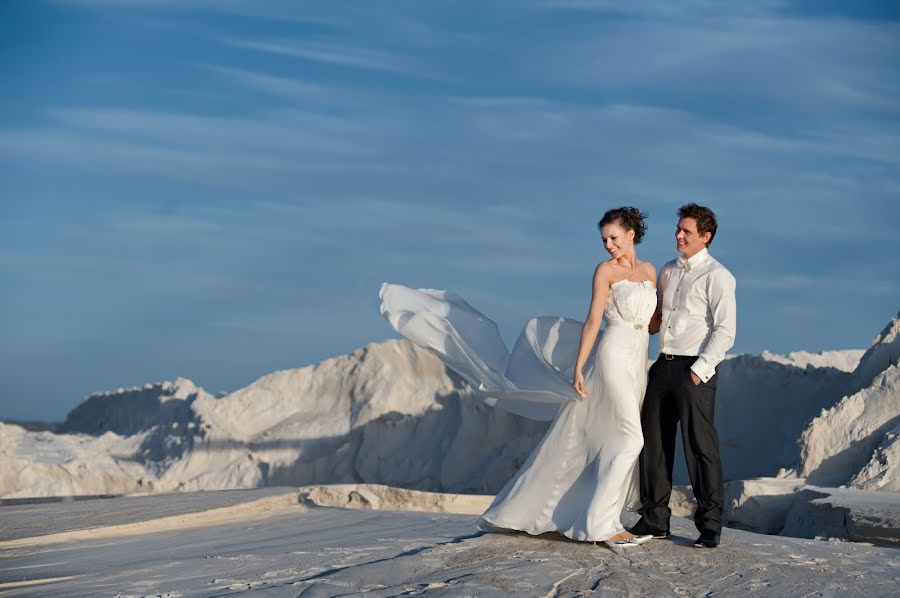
(267, 542)
(764, 505)
(391, 413)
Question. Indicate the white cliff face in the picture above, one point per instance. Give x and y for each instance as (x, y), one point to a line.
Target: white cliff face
(846, 360)
(134, 410)
(332, 398)
(841, 442)
(46, 464)
(882, 472)
(881, 354)
(390, 413)
(762, 406)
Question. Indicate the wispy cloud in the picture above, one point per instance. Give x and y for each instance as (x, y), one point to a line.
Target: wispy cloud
(294, 131)
(286, 87)
(528, 149)
(777, 72)
(664, 9)
(104, 156)
(276, 9)
(167, 226)
(332, 53)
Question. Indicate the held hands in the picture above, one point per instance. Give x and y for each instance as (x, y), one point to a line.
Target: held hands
(578, 385)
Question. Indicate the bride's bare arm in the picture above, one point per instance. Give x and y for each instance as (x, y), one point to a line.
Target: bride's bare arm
(602, 280)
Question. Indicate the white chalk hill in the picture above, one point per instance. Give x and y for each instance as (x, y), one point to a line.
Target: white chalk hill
(389, 413)
(855, 441)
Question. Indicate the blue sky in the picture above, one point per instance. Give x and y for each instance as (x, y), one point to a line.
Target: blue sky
(217, 189)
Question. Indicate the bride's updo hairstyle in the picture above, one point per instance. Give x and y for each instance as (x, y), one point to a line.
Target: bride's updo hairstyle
(628, 218)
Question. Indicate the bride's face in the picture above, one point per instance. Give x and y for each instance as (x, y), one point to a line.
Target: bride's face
(616, 240)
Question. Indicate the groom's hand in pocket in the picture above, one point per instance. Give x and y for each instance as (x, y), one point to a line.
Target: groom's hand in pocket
(695, 378)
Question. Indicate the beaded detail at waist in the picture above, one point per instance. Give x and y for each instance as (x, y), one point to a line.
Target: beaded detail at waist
(624, 324)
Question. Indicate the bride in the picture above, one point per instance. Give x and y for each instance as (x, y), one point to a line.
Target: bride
(584, 471)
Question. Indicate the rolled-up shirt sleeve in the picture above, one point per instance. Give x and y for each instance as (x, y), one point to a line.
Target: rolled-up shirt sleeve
(723, 308)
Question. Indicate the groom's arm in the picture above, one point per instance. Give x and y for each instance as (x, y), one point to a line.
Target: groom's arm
(723, 307)
(656, 320)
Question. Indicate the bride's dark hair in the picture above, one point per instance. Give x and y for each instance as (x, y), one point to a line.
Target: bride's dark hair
(628, 218)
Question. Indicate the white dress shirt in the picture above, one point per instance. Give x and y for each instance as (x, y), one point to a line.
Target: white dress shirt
(698, 311)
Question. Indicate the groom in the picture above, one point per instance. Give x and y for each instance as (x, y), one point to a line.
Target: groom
(695, 316)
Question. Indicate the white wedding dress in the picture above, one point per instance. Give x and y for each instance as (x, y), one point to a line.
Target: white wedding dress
(584, 471)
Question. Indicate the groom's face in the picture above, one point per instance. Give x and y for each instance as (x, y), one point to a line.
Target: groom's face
(688, 242)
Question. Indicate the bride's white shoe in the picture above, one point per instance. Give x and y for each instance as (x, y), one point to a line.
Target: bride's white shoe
(632, 541)
(617, 544)
(642, 539)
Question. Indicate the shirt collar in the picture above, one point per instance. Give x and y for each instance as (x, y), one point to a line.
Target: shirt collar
(698, 258)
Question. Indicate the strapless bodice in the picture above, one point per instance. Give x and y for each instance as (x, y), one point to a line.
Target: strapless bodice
(630, 303)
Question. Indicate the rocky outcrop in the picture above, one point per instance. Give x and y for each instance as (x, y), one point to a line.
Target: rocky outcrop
(881, 354)
(762, 406)
(46, 464)
(841, 442)
(388, 413)
(135, 410)
(845, 360)
(882, 472)
(387, 498)
(845, 514)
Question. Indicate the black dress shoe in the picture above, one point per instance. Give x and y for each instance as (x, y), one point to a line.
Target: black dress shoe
(707, 539)
(642, 529)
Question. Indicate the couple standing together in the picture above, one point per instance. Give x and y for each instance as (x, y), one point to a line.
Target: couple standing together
(613, 445)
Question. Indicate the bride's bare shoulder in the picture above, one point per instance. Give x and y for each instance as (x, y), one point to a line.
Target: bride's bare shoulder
(606, 267)
(605, 270)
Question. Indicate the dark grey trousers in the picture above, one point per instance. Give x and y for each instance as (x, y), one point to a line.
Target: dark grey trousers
(672, 397)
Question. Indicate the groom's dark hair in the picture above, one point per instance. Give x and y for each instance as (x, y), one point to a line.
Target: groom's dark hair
(706, 219)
